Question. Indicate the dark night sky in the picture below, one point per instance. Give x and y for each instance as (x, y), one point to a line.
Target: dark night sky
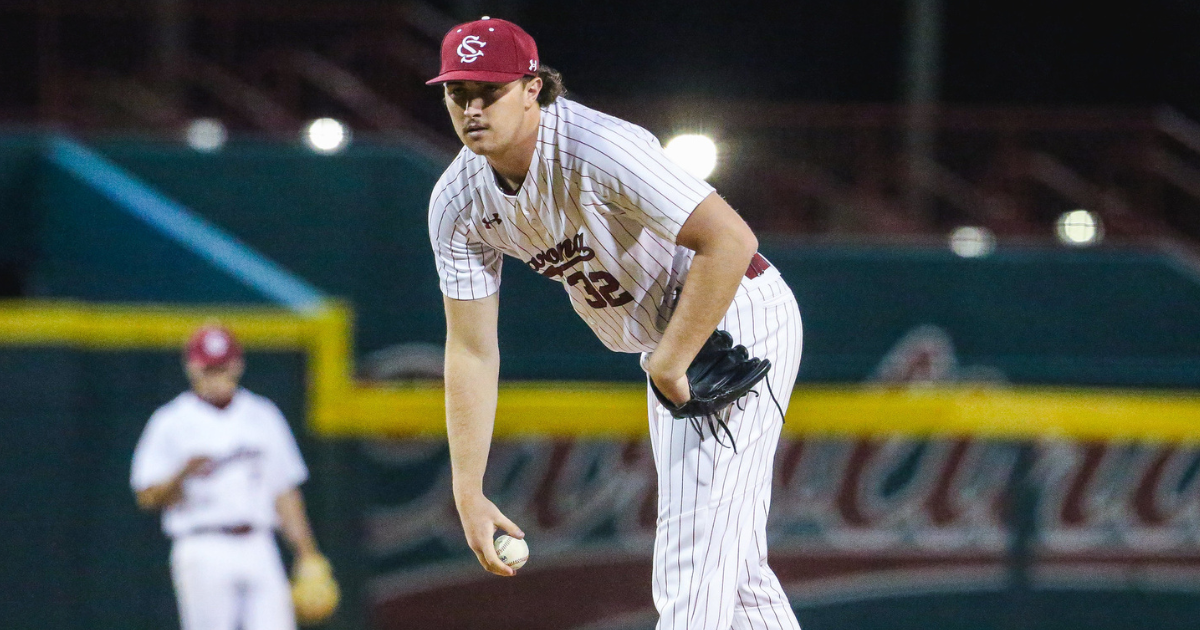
(1018, 51)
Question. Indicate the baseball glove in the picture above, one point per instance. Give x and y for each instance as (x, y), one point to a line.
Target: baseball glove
(315, 594)
(720, 374)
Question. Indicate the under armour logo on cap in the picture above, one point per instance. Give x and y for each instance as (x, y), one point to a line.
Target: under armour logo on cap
(487, 50)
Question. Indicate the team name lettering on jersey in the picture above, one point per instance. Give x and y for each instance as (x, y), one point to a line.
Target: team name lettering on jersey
(239, 454)
(554, 261)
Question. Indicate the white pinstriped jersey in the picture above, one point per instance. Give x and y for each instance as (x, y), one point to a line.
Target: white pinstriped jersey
(256, 459)
(599, 212)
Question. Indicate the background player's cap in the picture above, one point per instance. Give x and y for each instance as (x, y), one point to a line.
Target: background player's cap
(492, 51)
(212, 345)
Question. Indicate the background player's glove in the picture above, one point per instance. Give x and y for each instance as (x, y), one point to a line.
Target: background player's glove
(720, 374)
(315, 594)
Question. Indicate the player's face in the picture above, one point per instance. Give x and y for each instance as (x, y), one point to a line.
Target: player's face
(489, 117)
(215, 383)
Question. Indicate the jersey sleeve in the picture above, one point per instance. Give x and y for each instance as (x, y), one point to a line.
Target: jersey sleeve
(629, 169)
(467, 269)
(288, 466)
(155, 458)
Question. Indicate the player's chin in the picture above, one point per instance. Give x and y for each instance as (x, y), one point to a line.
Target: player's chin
(477, 145)
(476, 137)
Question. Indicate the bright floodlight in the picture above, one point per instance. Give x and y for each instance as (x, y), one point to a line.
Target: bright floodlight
(1079, 228)
(695, 153)
(972, 242)
(206, 135)
(326, 135)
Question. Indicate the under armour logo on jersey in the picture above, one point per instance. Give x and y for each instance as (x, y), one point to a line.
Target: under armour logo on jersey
(495, 220)
(471, 48)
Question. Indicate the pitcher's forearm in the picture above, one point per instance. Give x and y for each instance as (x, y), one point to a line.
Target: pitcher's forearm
(724, 245)
(471, 390)
(712, 283)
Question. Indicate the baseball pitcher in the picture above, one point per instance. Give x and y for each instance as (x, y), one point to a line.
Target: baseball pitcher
(656, 263)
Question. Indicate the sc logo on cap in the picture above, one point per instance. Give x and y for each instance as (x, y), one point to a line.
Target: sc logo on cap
(471, 48)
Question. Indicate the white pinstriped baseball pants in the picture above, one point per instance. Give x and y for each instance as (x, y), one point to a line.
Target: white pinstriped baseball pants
(710, 548)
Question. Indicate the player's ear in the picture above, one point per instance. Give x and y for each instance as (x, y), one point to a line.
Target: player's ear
(533, 87)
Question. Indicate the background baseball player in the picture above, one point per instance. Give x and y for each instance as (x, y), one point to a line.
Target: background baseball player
(653, 260)
(223, 466)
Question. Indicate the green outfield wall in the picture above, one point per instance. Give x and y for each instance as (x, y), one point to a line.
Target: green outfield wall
(354, 226)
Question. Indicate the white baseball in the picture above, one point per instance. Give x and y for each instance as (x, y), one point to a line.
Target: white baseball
(512, 551)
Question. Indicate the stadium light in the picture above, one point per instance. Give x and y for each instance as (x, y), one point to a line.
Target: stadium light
(972, 242)
(326, 135)
(1079, 228)
(697, 154)
(206, 135)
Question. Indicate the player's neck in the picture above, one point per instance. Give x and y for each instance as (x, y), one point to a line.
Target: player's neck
(219, 402)
(512, 165)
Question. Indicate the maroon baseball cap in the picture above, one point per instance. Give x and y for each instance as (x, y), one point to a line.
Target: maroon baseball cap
(212, 345)
(488, 50)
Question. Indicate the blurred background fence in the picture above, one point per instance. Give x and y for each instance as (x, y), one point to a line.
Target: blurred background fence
(995, 430)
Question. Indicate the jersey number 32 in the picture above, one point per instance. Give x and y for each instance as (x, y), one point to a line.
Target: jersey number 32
(601, 287)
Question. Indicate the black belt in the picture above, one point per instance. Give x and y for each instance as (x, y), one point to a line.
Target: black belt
(240, 529)
(758, 265)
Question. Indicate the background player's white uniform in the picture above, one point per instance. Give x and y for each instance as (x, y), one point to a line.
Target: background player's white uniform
(599, 211)
(224, 561)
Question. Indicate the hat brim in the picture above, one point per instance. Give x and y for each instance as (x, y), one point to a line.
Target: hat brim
(209, 362)
(483, 76)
